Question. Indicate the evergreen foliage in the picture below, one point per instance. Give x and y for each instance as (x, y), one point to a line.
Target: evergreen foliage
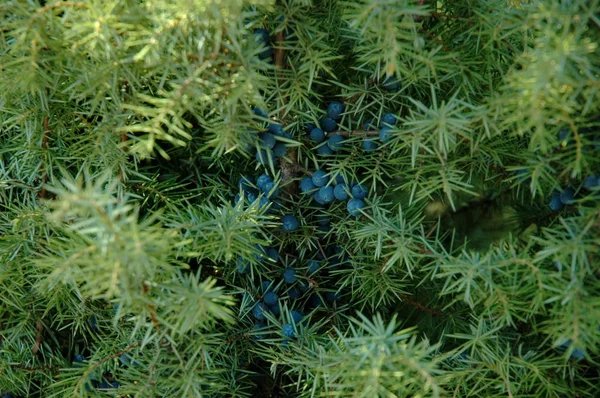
(311, 198)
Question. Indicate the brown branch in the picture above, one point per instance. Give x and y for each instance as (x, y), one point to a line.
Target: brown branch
(420, 306)
(357, 133)
(38, 337)
(321, 250)
(279, 51)
(431, 231)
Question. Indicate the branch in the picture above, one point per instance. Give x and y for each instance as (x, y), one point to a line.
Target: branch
(357, 133)
(420, 306)
(38, 337)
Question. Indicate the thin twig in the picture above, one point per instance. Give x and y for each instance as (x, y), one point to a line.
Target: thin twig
(321, 250)
(420, 306)
(357, 133)
(431, 231)
(38, 336)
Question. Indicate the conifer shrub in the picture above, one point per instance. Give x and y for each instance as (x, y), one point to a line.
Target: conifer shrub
(259, 198)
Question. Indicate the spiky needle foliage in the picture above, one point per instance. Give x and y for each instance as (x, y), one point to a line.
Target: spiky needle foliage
(125, 269)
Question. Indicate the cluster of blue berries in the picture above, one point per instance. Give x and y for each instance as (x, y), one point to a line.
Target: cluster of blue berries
(323, 192)
(560, 199)
(328, 142)
(292, 282)
(566, 197)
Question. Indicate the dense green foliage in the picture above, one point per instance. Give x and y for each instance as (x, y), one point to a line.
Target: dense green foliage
(129, 267)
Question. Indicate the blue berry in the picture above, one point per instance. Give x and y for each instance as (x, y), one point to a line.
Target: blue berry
(557, 265)
(272, 253)
(288, 330)
(251, 196)
(262, 35)
(260, 252)
(332, 296)
(316, 300)
(279, 150)
(385, 134)
(124, 359)
(563, 134)
(335, 142)
(592, 182)
(388, 119)
(306, 184)
(78, 358)
(294, 293)
(308, 127)
(266, 286)
(262, 180)
(323, 229)
(575, 354)
(271, 190)
(93, 322)
(317, 135)
(259, 326)
(324, 150)
(522, 176)
(335, 109)
(339, 179)
(270, 298)
(260, 112)
(320, 178)
(259, 311)
(341, 192)
(328, 124)
(555, 203)
(567, 196)
(359, 191)
(245, 183)
(354, 206)
(368, 125)
(267, 140)
(290, 223)
(391, 83)
(242, 265)
(275, 205)
(296, 316)
(317, 198)
(313, 266)
(369, 145)
(263, 202)
(105, 385)
(289, 275)
(266, 53)
(263, 156)
(276, 129)
(275, 309)
(326, 194)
